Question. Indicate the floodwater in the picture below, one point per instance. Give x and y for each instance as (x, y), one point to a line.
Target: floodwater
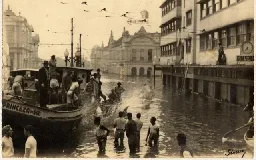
(203, 120)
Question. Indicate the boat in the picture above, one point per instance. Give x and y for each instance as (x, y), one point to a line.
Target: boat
(54, 122)
(249, 139)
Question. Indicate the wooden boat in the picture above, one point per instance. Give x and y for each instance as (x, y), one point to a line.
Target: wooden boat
(249, 139)
(56, 121)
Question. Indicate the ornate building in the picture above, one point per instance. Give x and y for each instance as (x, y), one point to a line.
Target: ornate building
(129, 55)
(23, 43)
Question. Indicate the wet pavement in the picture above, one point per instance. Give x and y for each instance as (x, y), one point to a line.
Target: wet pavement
(203, 120)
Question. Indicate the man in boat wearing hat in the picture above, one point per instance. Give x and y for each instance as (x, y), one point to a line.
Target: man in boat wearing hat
(43, 83)
(52, 65)
(18, 85)
(119, 90)
(98, 74)
(66, 83)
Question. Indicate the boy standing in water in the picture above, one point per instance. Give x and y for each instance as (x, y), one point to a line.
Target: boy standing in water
(153, 133)
(181, 138)
(101, 135)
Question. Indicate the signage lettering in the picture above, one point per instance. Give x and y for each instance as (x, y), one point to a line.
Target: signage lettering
(20, 108)
(245, 58)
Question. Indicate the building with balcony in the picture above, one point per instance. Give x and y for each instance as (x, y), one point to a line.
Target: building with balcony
(230, 22)
(170, 28)
(205, 24)
(22, 41)
(130, 55)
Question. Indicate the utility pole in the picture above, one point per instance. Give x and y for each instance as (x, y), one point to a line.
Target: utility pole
(80, 57)
(72, 57)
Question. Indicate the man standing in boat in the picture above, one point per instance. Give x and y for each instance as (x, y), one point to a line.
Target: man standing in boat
(43, 83)
(52, 65)
(66, 83)
(119, 90)
(98, 74)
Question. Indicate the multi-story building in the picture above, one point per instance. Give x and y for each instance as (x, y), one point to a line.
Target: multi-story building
(204, 25)
(230, 22)
(129, 55)
(23, 43)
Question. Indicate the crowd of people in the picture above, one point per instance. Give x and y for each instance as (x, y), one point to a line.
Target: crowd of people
(52, 89)
(132, 129)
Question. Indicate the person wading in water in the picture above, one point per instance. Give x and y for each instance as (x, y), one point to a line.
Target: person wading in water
(119, 90)
(153, 134)
(101, 135)
(119, 124)
(131, 133)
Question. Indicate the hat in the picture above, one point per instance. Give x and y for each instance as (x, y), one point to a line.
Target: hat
(98, 69)
(53, 56)
(45, 62)
(219, 43)
(118, 83)
(69, 71)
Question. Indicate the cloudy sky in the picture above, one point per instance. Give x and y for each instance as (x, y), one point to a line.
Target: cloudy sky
(52, 21)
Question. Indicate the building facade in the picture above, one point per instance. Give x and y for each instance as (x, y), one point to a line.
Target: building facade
(192, 29)
(23, 43)
(130, 55)
(204, 24)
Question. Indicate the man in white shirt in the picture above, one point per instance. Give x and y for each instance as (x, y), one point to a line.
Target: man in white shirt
(139, 124)
(31, 143)
(7, 145)
(119, 124)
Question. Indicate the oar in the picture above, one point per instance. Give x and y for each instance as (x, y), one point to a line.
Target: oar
(224, 138)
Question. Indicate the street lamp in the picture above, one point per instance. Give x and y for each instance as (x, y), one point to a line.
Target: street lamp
(76, 58)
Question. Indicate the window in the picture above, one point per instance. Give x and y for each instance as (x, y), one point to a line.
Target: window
(174, 49)
(250, 32)
(150, 56)
(224, 38)
(209, 7)
(169, 50)
(188, 45)
(202, 42)
(232, 36)
(208, 41)
(203, 10)
(216, 6)
(215, 39)
(142, 54)
(133, 54)
(189, 18)
(241, 33)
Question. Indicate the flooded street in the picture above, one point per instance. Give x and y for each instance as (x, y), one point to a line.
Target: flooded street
(202, 120)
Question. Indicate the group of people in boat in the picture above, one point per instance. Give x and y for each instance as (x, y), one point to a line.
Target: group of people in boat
(52, 89)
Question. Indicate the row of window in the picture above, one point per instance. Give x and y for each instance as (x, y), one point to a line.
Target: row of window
(170, 27)
(169, 6)
(211, 6)
(134, 56)
(169, 49)
(230, 36)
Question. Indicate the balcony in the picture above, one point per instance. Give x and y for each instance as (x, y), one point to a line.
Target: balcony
(224, 16)
(169, 38)
(176, 12)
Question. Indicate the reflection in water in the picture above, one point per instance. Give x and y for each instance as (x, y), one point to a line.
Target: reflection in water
(202, 120)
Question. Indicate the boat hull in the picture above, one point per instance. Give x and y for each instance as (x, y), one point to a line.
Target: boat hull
(49, 124)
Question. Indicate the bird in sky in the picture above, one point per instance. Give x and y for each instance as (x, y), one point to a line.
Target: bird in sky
(127, 12)
(124, 15)
(108, 16)
(86, 11)
(84, 3)
(63, 3)
(104, 9)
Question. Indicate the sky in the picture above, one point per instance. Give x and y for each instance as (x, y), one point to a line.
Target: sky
(52, 21)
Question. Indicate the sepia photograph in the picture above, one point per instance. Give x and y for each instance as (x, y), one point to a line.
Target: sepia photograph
(127, 79)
